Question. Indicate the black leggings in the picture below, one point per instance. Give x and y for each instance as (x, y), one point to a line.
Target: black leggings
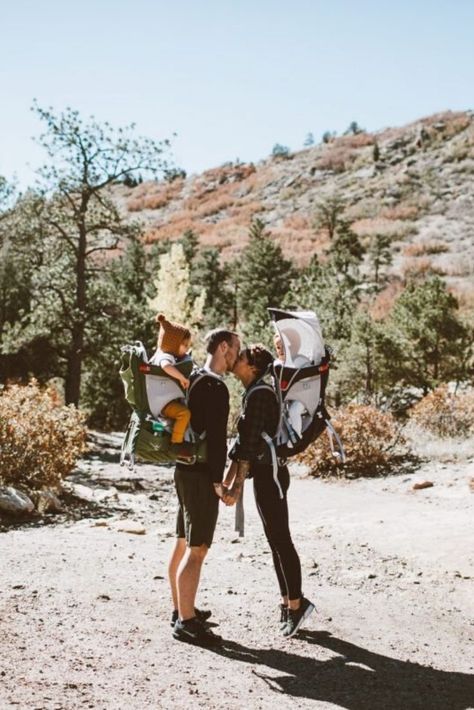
(273, 512)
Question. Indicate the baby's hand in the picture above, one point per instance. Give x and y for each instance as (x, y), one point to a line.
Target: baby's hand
(184, 382)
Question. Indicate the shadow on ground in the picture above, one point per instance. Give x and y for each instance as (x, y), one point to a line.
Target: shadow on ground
(356, 678)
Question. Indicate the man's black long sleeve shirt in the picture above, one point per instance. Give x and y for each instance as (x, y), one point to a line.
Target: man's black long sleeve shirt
(209, 405)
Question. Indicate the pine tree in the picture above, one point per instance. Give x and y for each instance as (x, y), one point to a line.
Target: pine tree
(208, 276)
(346, 252)
(436, 343)
(380, 254)
(82, 228)
(329, 214)
(262, 278)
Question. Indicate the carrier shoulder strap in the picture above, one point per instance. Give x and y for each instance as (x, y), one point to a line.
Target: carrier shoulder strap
(261, 385)
(196, 376)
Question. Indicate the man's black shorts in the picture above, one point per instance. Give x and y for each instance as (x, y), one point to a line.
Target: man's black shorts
(198, 506)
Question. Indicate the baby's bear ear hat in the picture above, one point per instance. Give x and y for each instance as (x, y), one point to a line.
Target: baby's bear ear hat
(171, 335)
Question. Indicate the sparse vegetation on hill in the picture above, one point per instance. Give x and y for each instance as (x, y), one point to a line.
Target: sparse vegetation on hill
(378, 242)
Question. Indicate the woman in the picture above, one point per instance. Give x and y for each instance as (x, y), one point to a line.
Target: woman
(251, 458)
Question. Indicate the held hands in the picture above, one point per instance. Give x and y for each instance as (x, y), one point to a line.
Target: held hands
(228, 491)
(227, 495)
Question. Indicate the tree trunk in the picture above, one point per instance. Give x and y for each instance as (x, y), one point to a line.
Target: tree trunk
(72, 387)
(75, 356)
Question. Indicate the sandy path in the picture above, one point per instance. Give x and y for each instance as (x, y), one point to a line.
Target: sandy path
(85, 608)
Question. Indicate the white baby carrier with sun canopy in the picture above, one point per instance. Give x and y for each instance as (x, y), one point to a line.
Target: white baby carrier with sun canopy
(299, 382)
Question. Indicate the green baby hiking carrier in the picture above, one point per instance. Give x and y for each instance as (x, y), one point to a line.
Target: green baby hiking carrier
(148, 389)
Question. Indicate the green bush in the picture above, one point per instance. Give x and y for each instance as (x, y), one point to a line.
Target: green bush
(40, 439)
(369, 437)
(445, 414)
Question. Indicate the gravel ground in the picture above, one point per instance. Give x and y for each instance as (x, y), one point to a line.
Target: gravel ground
(84, 603)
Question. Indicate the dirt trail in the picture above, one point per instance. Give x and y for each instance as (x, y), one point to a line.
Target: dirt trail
(84, 607)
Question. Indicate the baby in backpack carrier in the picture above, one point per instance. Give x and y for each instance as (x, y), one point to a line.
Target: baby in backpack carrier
(172, 347)
(295, 409)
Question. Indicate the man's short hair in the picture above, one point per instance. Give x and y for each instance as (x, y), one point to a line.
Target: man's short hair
(217, 336)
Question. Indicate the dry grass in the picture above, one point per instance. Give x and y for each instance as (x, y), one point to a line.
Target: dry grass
(403, 212)
(425, 248)
(395, 229)
(154, 196)
(420, 266)
(383, 303)
(297, 221)
(360, 140)
(336, 159)
(460, 265)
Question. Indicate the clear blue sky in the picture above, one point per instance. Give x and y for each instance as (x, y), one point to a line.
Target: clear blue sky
(231, 78)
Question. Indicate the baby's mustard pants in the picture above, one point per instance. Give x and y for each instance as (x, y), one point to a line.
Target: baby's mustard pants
(181, 415)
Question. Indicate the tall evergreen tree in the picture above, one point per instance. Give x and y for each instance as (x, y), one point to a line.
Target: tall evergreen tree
(262, 278)
(435, 341)
(380, 254)
(210, 277)
(330, 214)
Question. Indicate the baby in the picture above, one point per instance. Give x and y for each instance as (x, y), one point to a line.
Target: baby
(295, 409)
(173, 343)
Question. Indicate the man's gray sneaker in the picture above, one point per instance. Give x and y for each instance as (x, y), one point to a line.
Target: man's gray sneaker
(193, 631)
(283, 616)
(201, 615)
(296, 617)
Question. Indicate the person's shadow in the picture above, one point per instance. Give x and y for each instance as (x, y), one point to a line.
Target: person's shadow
(356, 678)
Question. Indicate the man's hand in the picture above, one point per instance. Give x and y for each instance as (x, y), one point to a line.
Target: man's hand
(184, 382)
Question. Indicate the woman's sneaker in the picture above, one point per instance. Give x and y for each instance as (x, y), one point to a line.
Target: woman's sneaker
(283, 616)
(193, 631)
(201, 615)
(296, 617)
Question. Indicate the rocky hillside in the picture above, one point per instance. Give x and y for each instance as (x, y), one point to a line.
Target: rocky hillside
(413, 183)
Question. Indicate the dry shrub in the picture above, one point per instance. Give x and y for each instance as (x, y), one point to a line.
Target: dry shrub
(369, 437)
(395, 229)
(297, 221)
(229, 172)
(359, 140)
(429, 247)
(460, 265)
(420, 266)
(384, 301)
(400, 212)
(336, 158)
(244, 212)
(40, 438)
(156, 197)
(444, 413)
(465, 296)
(216, 203)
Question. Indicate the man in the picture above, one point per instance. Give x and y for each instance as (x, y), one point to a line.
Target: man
(196, 488)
